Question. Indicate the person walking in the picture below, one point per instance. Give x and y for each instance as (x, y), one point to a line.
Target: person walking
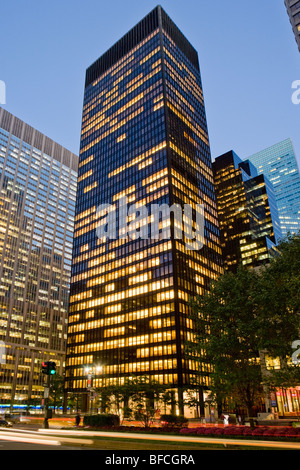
(77, 419)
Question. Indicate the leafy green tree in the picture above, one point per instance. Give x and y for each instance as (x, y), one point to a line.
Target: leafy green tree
(74, 401)
(244, 316)
(138, 396)
(278, 297)
(33, 402)
(226, 326)
(56, 391)
(145, 394)
(286, 377)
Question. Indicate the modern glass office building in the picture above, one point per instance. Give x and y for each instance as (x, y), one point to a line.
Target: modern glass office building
(38, 180)
(249, 223)
(293, 9)
(278, 163)
(144, 137)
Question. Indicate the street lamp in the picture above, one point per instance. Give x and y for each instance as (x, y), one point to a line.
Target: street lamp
(91, 371)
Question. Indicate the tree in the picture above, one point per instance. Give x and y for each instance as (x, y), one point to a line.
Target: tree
(139, 395)
(244, 314)
(33, 402)
(56, 390)
(279, 299)
(146, 393)
(225, 322)
(74, 401)
(111, 398)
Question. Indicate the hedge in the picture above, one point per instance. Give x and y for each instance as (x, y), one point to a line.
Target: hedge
(107, 420)
(245, 431)
(173, 421)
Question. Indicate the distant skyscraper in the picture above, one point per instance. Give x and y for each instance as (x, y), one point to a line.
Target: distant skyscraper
(279, 164)
(293, 9)
(38, 181)
(144, 136)
(249, 224)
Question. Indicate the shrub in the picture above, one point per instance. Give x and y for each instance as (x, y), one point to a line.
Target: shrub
(186, 431)
(247, 431)
(174, 421)
(216, 431)
(232, 430)
(259, 431)
(107, 420)
(201, 430)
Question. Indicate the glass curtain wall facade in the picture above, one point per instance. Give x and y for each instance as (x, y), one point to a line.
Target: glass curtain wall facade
(249, 223)
(144, 136)
(278, 163)
(293, 9)
(38, 180)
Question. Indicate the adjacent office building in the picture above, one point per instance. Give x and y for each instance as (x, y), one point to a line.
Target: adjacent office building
(248, 216)
(278, 163)
(293, 9)
(144, 138)
(38, 180)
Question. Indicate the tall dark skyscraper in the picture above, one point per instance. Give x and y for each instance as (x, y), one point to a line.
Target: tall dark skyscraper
(248, 215)
(144, 137)
(293, 9)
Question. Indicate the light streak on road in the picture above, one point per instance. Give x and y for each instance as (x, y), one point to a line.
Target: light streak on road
(177, 439)
(11, 436)
(34, 437)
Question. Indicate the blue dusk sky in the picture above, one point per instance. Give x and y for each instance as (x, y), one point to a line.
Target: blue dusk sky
(247, 52)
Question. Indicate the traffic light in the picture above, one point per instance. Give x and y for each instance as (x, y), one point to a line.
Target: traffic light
(52, 368)
(49, 368)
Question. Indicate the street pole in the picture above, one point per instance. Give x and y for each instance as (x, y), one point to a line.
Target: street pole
(47, 392)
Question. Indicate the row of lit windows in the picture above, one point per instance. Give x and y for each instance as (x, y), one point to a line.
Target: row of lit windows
(110, 138)
(159, 337)
(157, 195)
(156, 188)
(112, 130)
(138, 256)
(186, 200)
(128, 293)
(132, 367)
(134, 161)
(170, 44)
(157, 378)
(99, 117)
(194, 127)
(199, 257)
(138, 159)
(99, 120)
(126, 318)
(125, 59)
(118, 70)
(118, 319)
(184, 84)
(124, 272)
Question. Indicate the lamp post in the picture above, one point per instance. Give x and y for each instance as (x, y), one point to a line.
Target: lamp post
(91, 372)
